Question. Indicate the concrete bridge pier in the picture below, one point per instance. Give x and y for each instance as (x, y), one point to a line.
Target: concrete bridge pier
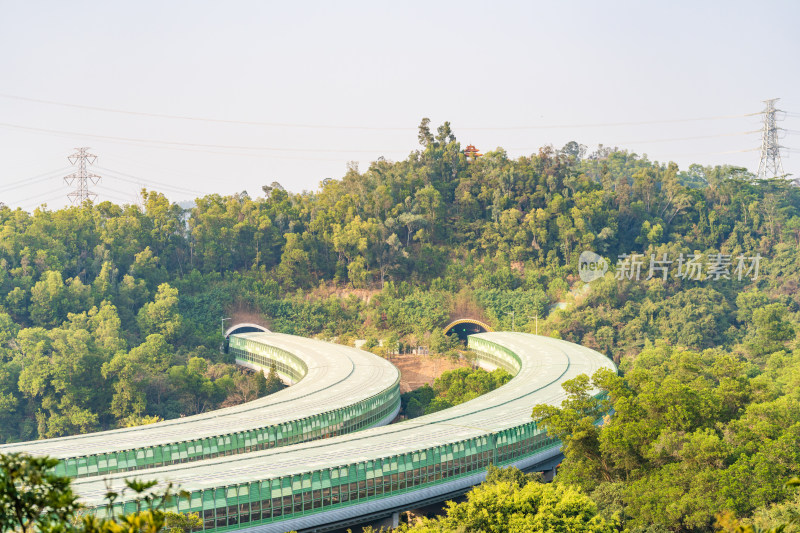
(388, 522)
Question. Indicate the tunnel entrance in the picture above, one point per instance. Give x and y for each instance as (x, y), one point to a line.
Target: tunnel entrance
(465, 327)
(244, 328)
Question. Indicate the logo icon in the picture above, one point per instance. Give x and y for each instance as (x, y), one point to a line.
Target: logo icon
(591, 266)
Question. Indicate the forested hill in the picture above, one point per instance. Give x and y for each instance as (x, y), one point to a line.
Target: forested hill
(111, 313)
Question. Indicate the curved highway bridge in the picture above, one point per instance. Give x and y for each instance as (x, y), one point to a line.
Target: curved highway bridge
(254, 486)
(338, 390)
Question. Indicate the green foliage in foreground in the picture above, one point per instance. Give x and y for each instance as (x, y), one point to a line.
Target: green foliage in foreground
(692, 434)
(452, 388)
(512, 502)
(32, 499)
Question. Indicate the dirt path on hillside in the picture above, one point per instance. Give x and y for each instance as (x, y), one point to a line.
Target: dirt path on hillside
(417, 370)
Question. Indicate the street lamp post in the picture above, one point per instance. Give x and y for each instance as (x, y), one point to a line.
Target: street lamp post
(513, 319)
(537, 323)
(222, 325)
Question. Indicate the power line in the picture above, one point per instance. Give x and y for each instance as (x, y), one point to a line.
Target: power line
(21, 202)
(22, 164)
(357, 127)
(39, 203)
(68, 135)
(266, 148)
(200, 119)
(141, 181)
(117, 195)
(154, 187)
(18, 184)
(238, 154)
(673, 139)
(194, 145)
(142, 166)
(607, 124)
(233, 153)
(726, 152)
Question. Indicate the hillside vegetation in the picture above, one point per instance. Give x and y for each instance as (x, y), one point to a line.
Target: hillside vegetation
(111, 315)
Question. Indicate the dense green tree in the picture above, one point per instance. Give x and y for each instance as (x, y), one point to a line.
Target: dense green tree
(511, 475)
(770, 331)
(133, 371)
(502, 504)
(182, 523)
(294, 270)
(453, 387)
(52, 299)
(273, 382)
(59, 375)
(691, 434)
(161, 316)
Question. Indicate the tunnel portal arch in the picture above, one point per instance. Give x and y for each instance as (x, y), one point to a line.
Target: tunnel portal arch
(464, 327)
(244, 327)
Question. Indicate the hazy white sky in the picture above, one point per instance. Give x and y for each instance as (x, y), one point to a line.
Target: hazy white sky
(359, 76)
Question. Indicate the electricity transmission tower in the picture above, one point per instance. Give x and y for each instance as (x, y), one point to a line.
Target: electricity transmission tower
(770, 165)
(82, 177)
